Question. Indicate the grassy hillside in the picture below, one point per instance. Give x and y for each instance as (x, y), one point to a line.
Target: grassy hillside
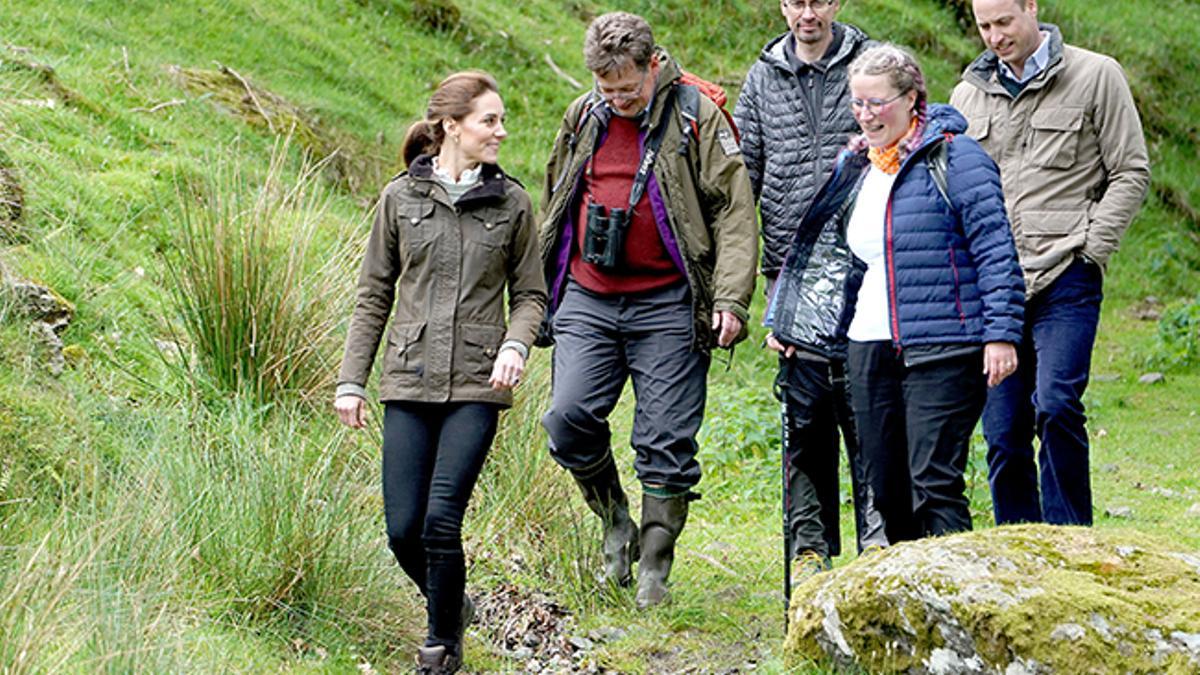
(157, 515)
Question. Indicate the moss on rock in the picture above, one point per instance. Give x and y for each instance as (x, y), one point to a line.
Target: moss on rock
(1024, 599)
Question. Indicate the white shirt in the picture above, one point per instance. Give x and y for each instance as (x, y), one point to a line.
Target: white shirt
(457, 188)
(865, 234)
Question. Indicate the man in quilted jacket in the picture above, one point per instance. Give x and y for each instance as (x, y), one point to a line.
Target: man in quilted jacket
(794, 117)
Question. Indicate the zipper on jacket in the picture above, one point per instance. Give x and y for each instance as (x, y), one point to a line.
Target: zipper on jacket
(890, 252)
(962, 317)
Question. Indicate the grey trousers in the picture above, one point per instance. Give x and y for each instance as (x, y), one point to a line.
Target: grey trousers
(600, 342)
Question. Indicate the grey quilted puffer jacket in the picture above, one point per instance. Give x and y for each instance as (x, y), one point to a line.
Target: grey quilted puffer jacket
(790, 154)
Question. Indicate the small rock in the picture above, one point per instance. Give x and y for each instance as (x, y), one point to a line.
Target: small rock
(521, 653)
(607, 634)
(1068, 631)
(1124, 552)
(1164, 492)
(581, 643)
(1106, 377)
(532, 640)
(1110, 468)
(533, 666)
(1118, 512)
(1102, 433)
(1098, 622)
(1193, 511)
(1152, 378)
(1190, 641)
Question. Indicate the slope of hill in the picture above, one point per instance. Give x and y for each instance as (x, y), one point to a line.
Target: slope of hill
(155, 516)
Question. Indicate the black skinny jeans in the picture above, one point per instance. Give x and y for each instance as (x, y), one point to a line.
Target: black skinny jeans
(432, 456)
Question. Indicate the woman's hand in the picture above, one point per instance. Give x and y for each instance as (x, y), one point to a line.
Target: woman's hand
(507, 371)
(351, 410)
(786, 350)
(999, 361)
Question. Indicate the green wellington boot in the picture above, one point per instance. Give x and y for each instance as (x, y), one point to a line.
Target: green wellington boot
(604, 496)
(662, 521)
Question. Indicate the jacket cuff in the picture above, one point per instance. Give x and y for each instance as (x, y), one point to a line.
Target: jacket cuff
(517, 346)
(351, 389)
(736, 308)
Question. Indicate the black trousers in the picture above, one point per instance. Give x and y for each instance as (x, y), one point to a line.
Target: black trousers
(915, 425)
(432, 456)
(816, 405)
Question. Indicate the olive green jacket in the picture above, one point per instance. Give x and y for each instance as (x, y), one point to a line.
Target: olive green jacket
(708, 198)
(445, 267)
(1071, 153)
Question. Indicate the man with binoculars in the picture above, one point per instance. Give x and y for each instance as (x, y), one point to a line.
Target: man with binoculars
(649, 245)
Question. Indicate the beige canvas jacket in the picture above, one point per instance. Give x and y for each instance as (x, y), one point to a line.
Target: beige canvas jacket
(1071, 152)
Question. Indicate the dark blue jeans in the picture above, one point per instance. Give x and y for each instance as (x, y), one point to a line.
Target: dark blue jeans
(1045, 397)
(432, 456)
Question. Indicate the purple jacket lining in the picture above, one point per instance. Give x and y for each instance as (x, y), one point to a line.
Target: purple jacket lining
(657, 207)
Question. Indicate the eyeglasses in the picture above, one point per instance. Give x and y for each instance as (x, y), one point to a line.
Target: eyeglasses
(875, 105)
(624, 93)
(814, 5)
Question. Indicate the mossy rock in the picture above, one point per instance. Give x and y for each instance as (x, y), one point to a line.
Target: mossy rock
(1021, 599)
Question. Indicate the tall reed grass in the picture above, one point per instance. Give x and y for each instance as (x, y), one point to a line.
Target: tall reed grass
(259, 278)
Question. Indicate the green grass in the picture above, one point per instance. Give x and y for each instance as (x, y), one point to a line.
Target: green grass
(158, 523)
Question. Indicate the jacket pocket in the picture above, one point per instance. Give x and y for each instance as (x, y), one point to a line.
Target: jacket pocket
(489, 228)
(416, 221)
(1055, 139)
(979, 127)
(958, 304)
(405, 355)
(479, 342)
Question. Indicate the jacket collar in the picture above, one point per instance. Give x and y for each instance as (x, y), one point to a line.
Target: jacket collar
(984, 70)
(491, 184)
(774, 54)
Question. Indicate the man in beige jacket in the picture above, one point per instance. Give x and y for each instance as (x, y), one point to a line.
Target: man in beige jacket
(1061, 123)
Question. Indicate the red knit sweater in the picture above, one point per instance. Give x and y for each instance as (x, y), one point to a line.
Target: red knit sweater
(646, 264)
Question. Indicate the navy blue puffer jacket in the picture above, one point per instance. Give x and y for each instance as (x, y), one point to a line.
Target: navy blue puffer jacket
(952, 269)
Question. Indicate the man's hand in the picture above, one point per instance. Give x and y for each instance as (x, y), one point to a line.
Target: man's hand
(999, 361)
(727, 326)
(507, 371)
(351, 411)
(775, 344)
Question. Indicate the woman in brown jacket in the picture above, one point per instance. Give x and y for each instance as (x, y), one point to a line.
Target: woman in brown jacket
(450, 236)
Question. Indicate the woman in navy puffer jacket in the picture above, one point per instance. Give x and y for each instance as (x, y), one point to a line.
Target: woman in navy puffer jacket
(923, 279)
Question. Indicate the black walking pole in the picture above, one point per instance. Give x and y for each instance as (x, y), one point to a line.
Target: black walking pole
(787, 507)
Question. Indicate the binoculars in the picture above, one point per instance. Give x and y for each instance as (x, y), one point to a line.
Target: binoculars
(604, 236)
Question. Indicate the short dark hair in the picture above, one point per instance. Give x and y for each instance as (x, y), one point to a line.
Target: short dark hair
(615, 40)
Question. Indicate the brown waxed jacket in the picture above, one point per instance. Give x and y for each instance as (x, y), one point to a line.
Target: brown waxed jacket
(707, 194)
(446, 267)
(1071, 153)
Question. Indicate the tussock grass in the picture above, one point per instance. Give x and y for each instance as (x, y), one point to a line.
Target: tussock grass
(257, 291)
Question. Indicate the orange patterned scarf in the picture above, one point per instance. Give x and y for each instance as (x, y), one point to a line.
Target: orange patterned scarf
(887, 159)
